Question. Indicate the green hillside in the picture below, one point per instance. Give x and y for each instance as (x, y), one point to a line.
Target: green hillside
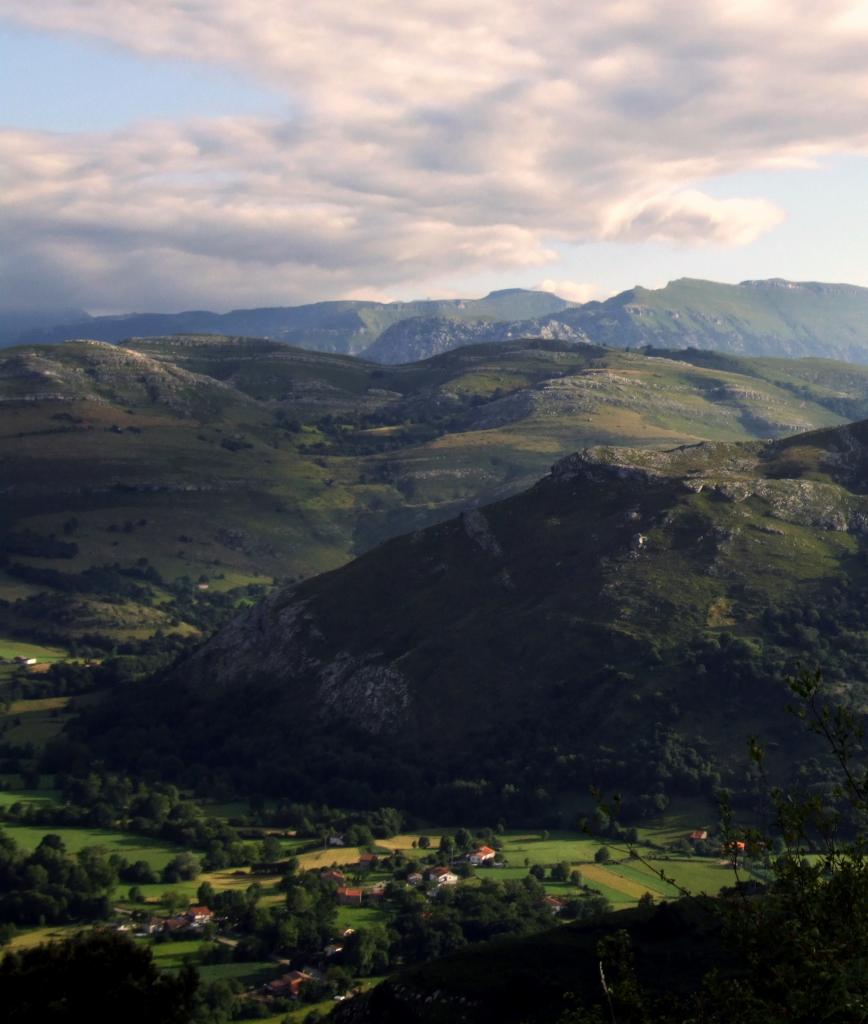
(626, 621)
(757, 318)
(223, 463)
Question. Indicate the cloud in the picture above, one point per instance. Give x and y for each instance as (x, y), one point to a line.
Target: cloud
(691, 216)
(429, 138)
(572, 291)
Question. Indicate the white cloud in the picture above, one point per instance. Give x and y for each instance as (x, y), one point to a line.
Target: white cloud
(691, 216)
(572, 291)
(431, 137)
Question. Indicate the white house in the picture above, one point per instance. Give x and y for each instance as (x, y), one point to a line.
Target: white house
(442, 876)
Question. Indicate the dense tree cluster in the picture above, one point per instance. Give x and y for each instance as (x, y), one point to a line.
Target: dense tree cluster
(156, 810)
(100, 977)
(53, 886)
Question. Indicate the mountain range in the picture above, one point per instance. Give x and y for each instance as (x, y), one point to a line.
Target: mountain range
(627, 621)
(347, 327)
(759, 318)
(235, 461)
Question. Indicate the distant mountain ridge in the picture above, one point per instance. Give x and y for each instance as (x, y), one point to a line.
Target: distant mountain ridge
(756, 318)
(345, 327)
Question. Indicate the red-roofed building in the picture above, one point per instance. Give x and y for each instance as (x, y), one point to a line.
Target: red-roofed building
(350, 897)
(288, 985)
(482, 855)
(554, 903)
(698, 835)
(199, 915)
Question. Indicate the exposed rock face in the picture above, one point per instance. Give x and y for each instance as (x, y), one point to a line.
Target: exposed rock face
(379, 694)
(423, 337)
(477, 529)
(731, 472)
(279, 639)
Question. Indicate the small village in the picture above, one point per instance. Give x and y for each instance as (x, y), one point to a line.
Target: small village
(351, 889)
(368, 881)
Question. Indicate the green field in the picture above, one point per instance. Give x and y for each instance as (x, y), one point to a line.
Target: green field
(12, 792)
(35, 721)
(360, 917)
(157, 853)
(573, 847)
(11, 649)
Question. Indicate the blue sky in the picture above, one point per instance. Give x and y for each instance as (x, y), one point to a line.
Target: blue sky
(62, 83)
(323, 151)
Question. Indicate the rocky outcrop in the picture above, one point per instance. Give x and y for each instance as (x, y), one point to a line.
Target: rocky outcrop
(423, 337)
(279, 639)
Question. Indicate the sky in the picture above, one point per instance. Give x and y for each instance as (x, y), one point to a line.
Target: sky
(186, 154)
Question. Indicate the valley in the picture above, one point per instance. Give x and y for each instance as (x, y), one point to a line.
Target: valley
(461, 590)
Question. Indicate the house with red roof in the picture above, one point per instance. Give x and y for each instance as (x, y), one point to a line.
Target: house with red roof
(288, 986)
(481, 855)
(197, 916)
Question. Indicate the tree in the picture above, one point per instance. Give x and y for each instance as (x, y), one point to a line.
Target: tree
(463, 839)
(101, 977)
(602, 855)
(537, 871)
(367, 951)
(173, 901)
(424, 842)
(561, 872)
(205, 894)
(447, 847)
(271, 849)
(184, 867)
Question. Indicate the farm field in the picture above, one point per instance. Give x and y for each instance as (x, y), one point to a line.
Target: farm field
(573, 847)
(28, 938)
(156, 852)
(10, 649)
(12, 791)
(360, 917)
(35, 721)
(340, 855)
(171, 956)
